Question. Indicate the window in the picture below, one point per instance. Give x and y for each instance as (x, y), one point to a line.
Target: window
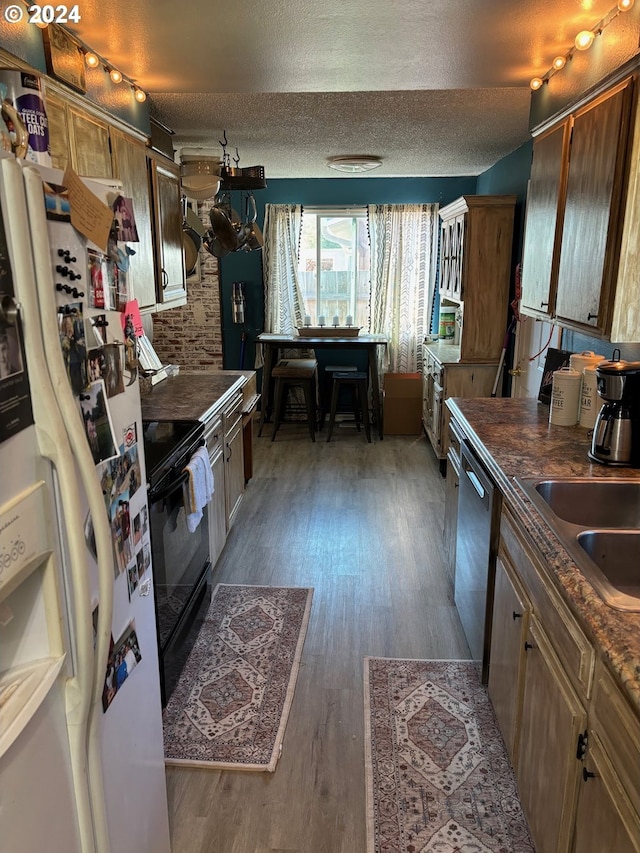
(333, 265)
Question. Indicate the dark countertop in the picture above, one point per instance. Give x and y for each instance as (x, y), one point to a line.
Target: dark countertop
(513, 438)
(191, 396)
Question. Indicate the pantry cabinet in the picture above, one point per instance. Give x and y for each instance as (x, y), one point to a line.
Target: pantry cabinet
(476, 237)
(581, 216)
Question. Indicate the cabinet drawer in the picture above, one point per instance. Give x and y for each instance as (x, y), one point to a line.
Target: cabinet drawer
(619, 728)
(213, 433)
(455, 439)
(571, 646)
(234, 406)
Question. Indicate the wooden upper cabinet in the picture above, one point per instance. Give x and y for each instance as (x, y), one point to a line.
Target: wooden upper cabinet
(89, 143)
(593, 216)
(58, 133)
(170, 277)
(625, 324)
(130, 167)
(544, 217)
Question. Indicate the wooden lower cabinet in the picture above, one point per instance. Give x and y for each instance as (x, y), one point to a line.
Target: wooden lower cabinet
(506, 670)
(217, 507)
(548, 770)
(605, 819)
(571, 733)
(214, 438)
(443, 376)
(234, 458)
(451, 489)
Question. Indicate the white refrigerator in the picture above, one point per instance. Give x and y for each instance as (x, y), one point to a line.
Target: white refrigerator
(81, 746)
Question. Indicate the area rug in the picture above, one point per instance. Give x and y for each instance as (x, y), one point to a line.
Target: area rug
(230, 707)
(438, 775)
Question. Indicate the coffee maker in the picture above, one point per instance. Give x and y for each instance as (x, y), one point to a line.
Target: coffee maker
(616, 435)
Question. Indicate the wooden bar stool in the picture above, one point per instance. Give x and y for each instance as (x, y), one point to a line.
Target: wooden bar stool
(326, 387)
(295, 373)
(357, 382)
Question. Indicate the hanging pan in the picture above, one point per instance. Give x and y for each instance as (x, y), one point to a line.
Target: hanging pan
(254, 240)
(223, 229)
(192, 233)
(213, 245)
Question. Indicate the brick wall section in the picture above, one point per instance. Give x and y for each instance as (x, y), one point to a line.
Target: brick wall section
(191, 336)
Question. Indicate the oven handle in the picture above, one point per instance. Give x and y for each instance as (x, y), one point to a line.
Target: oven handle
(156, 497)
(163, 494)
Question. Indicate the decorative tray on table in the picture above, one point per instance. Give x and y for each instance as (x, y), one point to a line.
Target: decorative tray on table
(328, 331)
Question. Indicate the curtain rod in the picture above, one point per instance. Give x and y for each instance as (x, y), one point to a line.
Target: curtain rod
(338, 211)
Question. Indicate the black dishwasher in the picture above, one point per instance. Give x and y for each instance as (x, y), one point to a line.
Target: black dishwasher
(476, 548)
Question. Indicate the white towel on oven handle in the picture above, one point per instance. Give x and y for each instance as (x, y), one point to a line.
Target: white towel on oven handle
(198, 488)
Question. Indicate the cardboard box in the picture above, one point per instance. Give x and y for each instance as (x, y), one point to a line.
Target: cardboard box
(402, 404)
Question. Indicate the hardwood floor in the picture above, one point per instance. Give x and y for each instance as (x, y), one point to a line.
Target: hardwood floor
(362, 524)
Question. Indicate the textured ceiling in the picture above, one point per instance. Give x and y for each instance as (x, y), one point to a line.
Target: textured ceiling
(433, 87)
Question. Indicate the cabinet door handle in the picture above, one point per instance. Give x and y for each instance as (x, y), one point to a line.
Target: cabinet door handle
(528, 646)
(165, 279)
(583, 740)
(591, 316)
(516, 615)
(586, 774)
(544, 304)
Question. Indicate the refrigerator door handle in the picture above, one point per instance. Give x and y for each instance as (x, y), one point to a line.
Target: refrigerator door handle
(80, 448)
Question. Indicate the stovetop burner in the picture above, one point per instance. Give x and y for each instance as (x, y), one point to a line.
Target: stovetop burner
(165, 442)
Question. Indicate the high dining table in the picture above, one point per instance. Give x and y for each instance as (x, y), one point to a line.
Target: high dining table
(272, 344)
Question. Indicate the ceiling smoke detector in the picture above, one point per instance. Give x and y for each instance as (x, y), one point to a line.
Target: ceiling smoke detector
(354, 164)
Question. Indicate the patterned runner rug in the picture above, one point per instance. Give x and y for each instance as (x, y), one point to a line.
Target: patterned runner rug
(230, 706)
(438, 775)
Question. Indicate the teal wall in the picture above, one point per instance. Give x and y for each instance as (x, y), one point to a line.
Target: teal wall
(247, 266)
(508, 176)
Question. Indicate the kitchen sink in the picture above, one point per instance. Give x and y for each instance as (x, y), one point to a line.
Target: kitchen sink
(598, 523)
(617, 554)
(593, 503)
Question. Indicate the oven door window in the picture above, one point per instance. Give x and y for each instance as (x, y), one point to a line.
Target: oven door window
(178, 556)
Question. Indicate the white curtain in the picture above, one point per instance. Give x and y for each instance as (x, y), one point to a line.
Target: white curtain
(404, 240)
(284, 306)
(283, 302)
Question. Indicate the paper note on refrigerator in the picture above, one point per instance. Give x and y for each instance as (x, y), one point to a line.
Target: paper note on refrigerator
(90, 216)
